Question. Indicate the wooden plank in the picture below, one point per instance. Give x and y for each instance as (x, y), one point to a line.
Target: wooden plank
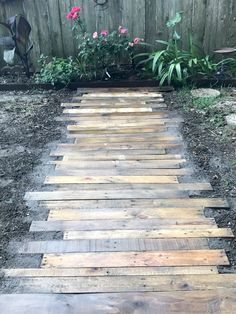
(137, 259)
(125, 224)
(107, 164)
(156, 139)
(78, 157)
(110, 179)
(200, 231)
(95, 272)
(129, 94)
(104, 151)
(113, 284)
(124, 130)
(132, 137)
(101, 195)
(127, 213)
(114, 124)
(124, 171)
(107, 110)
(217, 301)
(124, 245)
(94, 105)
(118, 146)
(134, 203)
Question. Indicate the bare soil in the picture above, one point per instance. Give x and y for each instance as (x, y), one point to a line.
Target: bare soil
(27, 127)
(211, 147)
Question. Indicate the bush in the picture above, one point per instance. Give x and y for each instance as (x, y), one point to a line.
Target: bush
(57, 71)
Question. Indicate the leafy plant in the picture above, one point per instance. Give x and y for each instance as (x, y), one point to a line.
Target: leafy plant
(58, 70)
(173, 64)
(101, 51)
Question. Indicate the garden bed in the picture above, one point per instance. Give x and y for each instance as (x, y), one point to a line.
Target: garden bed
(211, 146)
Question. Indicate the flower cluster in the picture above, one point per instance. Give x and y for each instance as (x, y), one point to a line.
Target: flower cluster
(74, 13)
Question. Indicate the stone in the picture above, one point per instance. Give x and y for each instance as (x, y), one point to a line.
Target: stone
(205, 93)
(231, 120)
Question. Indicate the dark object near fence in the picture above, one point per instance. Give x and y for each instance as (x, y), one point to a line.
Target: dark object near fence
(18, 40)
(102, 3)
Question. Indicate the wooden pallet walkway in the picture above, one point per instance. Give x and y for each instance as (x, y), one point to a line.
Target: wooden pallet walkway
(133, 240)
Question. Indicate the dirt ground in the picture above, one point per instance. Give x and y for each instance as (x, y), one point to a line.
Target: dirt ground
(211, 147)
(27, 125)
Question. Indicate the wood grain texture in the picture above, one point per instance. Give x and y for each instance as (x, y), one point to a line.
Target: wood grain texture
(142, 224)
(199, 231)
(117, 245)
(137, 259)
(163, 283)
(217, 301)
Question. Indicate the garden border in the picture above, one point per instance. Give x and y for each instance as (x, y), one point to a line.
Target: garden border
(114, 84)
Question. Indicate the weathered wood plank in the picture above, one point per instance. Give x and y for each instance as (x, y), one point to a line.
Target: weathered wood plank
(94, 272)
(202, 231)
(117, 164)
(215, 301)
(107, 110)
(117, 156)
(137, 259)
(121, 147)
(113, 284)
(141, 224)
(110, 179)
(117, 245)
(126, 213)
(134, 203)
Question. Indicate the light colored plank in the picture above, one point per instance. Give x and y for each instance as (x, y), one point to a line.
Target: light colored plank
(124, 130)
(114, 124)
(141, 224)
(117, 164)
(127, 213)
(110, 179)
(137, 259)
(134, 203)
(95, 272)
(118, 146)
(155, 139)
(117, 245)
(122, 95)
(107, 110)
(217, 301)
(118, 156)
(181, 232)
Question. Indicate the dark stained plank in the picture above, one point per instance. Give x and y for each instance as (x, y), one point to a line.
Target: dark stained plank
(110, 245)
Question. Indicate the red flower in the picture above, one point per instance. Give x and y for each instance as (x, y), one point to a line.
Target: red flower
(104, 32)
(74, 13)
(75, 9)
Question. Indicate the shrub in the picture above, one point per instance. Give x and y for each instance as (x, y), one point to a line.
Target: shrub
(57, 71)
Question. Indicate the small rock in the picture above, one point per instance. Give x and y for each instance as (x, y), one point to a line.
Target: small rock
(205, 93)
(231, 120)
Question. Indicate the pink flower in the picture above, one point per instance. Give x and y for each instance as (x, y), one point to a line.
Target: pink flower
(104, 32)
(95, 35)
(75, 16)
(69, 16)
(137, 40)
(75, 9)
(122, 30)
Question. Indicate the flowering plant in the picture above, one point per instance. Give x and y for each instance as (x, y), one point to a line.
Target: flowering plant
(100, 51)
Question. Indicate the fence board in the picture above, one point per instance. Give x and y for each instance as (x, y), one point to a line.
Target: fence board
(212, 21)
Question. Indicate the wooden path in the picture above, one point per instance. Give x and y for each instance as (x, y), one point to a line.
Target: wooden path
(133, 240)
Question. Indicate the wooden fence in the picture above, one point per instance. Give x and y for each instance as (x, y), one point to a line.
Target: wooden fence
(213, 22)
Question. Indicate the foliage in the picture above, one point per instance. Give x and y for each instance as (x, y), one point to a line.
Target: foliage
(58, 70)
(100, 51)
(175, 65)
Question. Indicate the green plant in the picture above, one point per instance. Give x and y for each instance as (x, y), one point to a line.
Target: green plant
(173, 64)
(57, 70)
(101, 51)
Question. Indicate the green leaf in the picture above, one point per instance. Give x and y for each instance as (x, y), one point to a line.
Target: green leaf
(179, 72)
(170, 72)
(156, 59)
(177, 19)
(164, 77)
